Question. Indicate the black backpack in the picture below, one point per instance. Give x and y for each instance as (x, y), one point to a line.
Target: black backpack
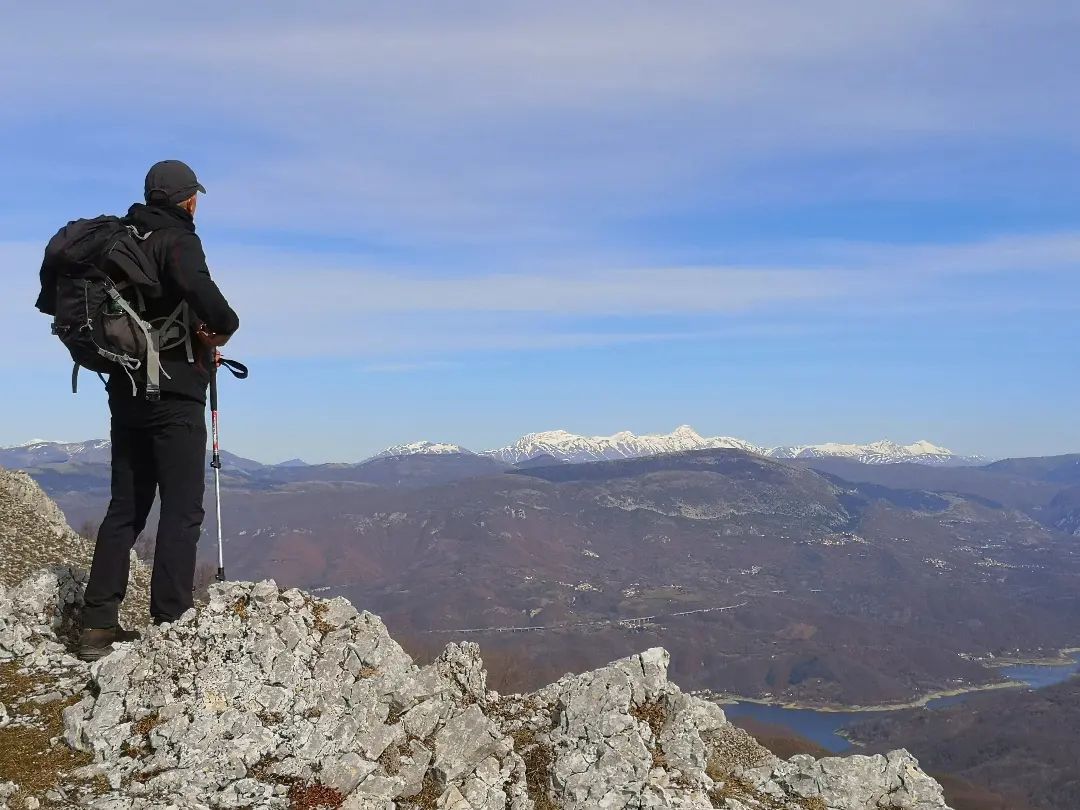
(95, 280)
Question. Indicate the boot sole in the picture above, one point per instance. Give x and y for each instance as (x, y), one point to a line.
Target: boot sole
(91, 654)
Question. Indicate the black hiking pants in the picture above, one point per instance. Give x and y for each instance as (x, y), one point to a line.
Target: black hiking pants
(156, 446)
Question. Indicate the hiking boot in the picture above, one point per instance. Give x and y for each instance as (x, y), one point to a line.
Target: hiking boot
(95, 643)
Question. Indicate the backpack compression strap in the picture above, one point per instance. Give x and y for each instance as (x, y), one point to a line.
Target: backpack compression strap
(153, 359)
(75, 378)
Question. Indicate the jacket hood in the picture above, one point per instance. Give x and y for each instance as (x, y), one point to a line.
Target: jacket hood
(157, 217)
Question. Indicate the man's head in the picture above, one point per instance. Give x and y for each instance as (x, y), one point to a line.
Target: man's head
(172, 181)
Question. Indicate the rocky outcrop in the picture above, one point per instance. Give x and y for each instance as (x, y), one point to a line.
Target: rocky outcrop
(272, 698)
(35, 535)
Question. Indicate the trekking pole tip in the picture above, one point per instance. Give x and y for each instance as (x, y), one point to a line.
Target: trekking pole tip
(220, 575)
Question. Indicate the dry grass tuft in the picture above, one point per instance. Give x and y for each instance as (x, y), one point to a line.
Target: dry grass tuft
(538, 758)
(395, 714)
(652, 713)
(143, 727)
(27, 755)
(428, 797)
(240, 607)
(320, 609)
(271, 718)
(737, 788)
(314, 797)
(15, 684)
(301, 795)
(390, 759)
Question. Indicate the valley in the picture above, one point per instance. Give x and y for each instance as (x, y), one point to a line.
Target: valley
(808, 590)
(822, 582)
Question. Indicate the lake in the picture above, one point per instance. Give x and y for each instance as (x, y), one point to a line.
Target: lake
(825, 728)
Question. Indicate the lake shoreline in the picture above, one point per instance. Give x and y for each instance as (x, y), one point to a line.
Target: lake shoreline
(1064, 658)
(1067, 656)
(918, 703)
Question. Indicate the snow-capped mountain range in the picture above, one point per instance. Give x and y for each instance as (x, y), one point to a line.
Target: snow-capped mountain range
(559, 445)
(44, 451)
(881, 452)
(571, 448)
(38, 452)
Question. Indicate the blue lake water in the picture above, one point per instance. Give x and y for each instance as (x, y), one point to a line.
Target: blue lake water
(820, 727)
(1038, 677)
(824, 727)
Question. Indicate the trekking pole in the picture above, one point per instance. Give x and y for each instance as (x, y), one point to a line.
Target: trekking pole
(239, 370)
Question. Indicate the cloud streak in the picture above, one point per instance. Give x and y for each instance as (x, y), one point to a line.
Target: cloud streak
(293, 304)
(546, 124)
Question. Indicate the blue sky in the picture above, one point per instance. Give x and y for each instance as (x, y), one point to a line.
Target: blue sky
(837, 221)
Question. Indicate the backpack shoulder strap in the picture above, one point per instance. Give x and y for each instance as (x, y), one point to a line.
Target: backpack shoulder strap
(176, 329)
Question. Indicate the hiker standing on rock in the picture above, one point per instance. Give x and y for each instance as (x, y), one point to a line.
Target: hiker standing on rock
(159, 441)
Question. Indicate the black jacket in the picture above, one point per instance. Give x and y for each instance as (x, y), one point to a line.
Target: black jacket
(177, 251)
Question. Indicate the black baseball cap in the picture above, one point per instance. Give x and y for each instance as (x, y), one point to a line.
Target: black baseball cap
(171, 180)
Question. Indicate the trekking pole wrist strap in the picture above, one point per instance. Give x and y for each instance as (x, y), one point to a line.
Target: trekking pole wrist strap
(239, 370)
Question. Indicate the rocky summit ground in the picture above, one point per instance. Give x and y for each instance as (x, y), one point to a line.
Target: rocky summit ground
(271, 698)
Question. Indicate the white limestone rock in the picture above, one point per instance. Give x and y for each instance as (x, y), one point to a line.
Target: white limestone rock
(264, 692)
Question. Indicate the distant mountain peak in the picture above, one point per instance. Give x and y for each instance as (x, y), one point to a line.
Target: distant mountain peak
(924, 447)
(424, 448)
(33, 443)
(553, 435)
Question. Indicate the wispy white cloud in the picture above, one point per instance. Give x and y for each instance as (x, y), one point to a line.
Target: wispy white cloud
(294, 304)
(504, 151)
(652, 291)
(1022, 254)
(543, 123)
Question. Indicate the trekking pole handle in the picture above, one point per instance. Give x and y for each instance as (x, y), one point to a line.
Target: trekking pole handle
(238, 370)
